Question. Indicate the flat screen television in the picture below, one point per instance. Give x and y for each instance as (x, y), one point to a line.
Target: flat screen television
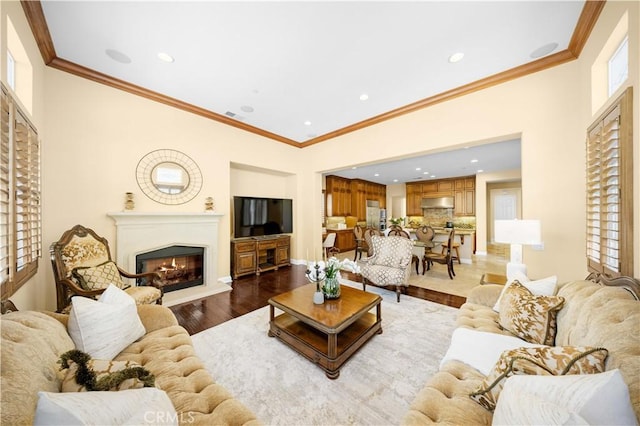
(254, 216)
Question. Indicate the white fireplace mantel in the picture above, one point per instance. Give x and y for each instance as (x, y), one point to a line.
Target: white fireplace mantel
(138, 232)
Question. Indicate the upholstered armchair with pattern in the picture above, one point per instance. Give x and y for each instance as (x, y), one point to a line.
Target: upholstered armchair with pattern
(390, 264)
(82, 266)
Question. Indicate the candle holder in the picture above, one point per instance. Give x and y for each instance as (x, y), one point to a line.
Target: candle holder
(316, 277)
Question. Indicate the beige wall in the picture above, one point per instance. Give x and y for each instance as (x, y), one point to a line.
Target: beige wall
(94, 136)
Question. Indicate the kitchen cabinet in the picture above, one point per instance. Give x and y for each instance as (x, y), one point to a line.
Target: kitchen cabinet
(462, 189)
(345, 239)
(340, 191)
(414, 199)
(465, 197)
(348, 197)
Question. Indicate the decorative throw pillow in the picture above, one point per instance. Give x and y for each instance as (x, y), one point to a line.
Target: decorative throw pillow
(530, 317)
(86, 374)
(548, 360)
(98, 277)
(596, 399)
(129, 407)
(104, 327)
(542, 287)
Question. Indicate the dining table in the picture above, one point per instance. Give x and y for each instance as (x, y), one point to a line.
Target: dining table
(426, 246)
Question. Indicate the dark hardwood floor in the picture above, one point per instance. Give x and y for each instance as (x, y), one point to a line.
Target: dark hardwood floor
(252, 292)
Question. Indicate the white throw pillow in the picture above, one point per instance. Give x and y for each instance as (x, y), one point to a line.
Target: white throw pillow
(481, 349)
(543, 287)
(127, 407)
(596, 399)
(103, 328)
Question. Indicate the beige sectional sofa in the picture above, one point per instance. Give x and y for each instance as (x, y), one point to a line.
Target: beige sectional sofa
(592, 315)
(32, 343)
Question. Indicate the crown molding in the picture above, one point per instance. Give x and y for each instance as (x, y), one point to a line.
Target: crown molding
(588, 18)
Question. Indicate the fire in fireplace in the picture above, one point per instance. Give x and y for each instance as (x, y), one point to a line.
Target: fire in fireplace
(178, 266)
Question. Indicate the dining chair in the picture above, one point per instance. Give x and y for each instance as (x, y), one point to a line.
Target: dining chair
(368, 233)
(361, 244)
(444, 259)
(425, 235)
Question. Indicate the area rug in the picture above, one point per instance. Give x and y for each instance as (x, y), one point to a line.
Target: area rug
(375, 386)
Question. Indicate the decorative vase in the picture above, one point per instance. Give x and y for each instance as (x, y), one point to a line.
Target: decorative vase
(331, 288)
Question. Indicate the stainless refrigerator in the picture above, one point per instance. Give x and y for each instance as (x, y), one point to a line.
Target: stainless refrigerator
(373, 214)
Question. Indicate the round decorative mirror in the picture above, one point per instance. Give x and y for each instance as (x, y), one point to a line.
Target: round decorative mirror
(168, 176)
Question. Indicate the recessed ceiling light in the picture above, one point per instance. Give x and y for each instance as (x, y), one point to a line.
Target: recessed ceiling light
(376, 174)
(165, 57)
(364, 97)
(475, 160)
(544, 50)
(354, 167)
(480, 170)
(307, 123)
(425, 173)
(432, 176)
(456, 57)
(118, 56)
(246, 108)
(395, 180)
(418, 168)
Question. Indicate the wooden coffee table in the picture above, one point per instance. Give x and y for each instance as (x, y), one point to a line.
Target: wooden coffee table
(326, 334)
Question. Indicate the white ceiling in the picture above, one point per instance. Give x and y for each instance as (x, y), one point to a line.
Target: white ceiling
(298, 68)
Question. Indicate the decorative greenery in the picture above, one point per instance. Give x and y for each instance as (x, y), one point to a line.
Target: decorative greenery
(397, 221)
(86, 377)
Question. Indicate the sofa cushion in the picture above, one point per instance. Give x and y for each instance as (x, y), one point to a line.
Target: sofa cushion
(133, 406)
(530, 317)
(596, 399)
(104, 327)
(548, 360)
(98, 277)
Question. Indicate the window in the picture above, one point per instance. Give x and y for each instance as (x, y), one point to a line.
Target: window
(11, 71)
(20, 215)
(618, 66)
(610, 190)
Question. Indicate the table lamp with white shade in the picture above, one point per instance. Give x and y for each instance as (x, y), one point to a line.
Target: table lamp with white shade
(517, 233)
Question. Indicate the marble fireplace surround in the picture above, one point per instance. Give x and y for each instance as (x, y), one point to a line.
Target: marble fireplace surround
(138, 233)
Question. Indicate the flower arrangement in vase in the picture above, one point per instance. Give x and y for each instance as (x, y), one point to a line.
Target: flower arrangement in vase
(329, 272)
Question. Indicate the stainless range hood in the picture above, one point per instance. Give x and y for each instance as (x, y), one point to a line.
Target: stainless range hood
(437, 203)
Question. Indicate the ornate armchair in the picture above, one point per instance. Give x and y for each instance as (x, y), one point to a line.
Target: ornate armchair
(82, 266)
(390, 264)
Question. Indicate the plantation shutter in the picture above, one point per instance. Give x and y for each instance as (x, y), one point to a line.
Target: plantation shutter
(20, 211)
(27, 196)
(610, 191)
(5, 196)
